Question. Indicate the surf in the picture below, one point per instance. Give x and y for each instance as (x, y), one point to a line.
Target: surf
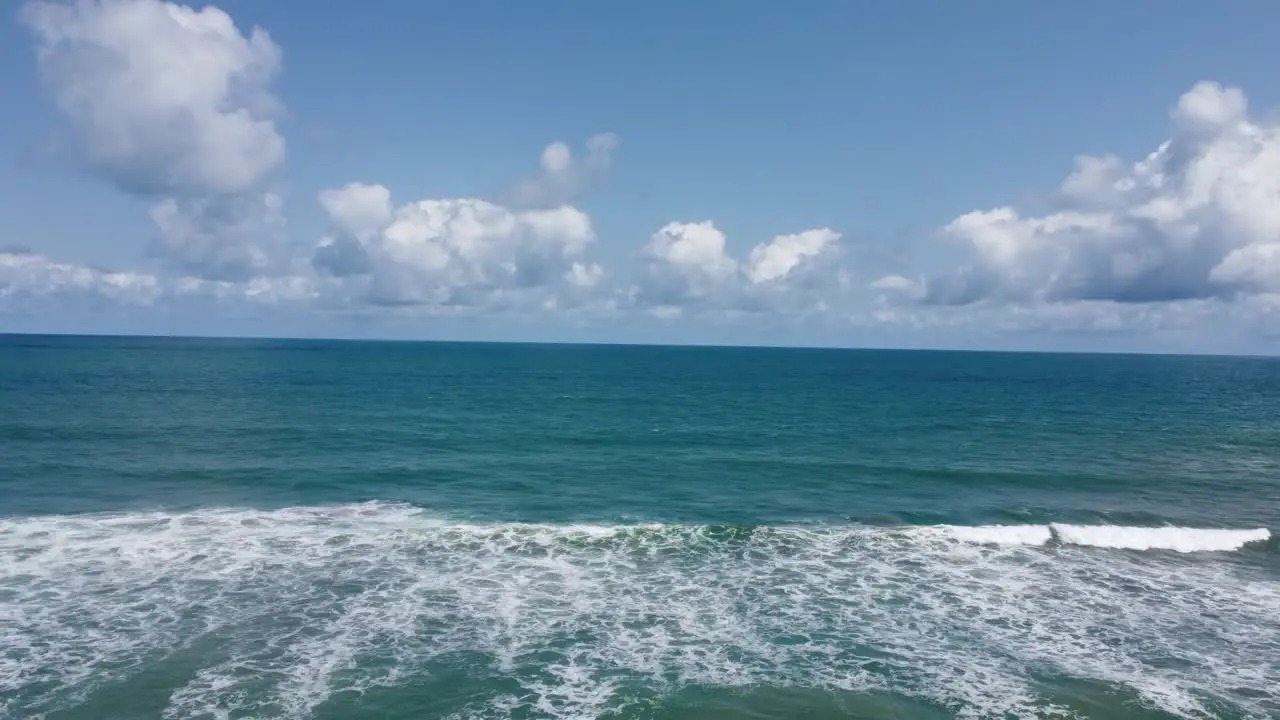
(330, 600)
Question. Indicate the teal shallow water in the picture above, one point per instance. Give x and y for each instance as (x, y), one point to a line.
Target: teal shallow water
(290, 529)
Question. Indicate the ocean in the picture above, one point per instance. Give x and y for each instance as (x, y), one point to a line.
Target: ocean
(196, 528)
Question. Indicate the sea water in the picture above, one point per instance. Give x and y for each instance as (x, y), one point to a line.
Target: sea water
(307, 529)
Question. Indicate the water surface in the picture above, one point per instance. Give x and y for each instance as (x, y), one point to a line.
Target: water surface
(306, 529)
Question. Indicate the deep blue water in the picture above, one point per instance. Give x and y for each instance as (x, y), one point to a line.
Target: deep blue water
(315, 529)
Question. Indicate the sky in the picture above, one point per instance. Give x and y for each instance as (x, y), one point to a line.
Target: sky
(1090, 176)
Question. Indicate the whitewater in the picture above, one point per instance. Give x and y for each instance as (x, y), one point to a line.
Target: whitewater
(271, 613)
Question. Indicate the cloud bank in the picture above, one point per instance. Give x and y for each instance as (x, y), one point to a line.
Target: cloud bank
(175, 105)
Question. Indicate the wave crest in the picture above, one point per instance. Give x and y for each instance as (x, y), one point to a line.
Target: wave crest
(1178, 539)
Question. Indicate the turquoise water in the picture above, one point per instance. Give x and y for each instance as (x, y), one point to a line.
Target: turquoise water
(305, 529)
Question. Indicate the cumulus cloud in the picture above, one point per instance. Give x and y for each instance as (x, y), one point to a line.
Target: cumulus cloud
(776, 259)
(1255, 268)
(584, 275)
(455, 251)
(168, 102)
(25, 275)
(562, 178)
(220, 237)
(1199, 217)
(468, 252)
(357, 209)
(687, 265)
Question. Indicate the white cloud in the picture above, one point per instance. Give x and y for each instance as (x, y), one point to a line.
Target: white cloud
(1243, 324)
(556, 158)
(457, 251)
(584, 275)
(562, 178)
(170, 102)
(29, 276)
(1253, 268)
(273, 291)
(163, 99)
(468, 252)
(220, 238)
(777, 258)
(1210, 108)
(1194, 219)
(357, 212)
(357, 209)
(898, 284)
(31, 284)
(687, 265)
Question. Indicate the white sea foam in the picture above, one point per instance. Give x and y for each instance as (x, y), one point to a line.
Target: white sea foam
(279, 611)
(1179, 539)
(999, 534)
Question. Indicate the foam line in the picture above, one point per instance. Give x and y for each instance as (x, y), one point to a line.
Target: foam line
(1179, 539)
(1000, 534)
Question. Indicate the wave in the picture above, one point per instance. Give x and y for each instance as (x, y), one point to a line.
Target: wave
(1122, 537)
(1117, 537)
(1179, 539)
(319, 601)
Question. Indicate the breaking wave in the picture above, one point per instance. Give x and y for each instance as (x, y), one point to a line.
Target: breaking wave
(1177, 539)
(273, 613)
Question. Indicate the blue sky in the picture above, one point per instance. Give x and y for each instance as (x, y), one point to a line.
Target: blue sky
(872, 126)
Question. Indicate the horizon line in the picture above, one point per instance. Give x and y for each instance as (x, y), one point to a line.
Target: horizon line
(604, 343)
